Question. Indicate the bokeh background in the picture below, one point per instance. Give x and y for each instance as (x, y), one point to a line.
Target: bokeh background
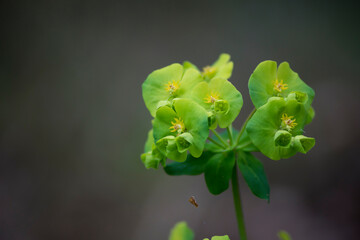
(73, 122)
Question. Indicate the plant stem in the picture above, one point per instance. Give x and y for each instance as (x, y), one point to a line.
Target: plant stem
(244, 125)
(237, 202)
(229, 131)
(215, 142)
(219, 137)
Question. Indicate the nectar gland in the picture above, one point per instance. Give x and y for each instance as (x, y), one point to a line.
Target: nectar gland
(211, 98)
(288, 122)
(171, 87)
(177, 126)
(279, 86)
(208, 71)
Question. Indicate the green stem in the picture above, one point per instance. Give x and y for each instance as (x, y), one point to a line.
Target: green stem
(219, 137)
(244, 125)
(237, 202)
(215, 142)
(229, 131)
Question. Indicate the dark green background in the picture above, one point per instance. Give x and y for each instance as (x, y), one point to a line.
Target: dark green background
(73, 123)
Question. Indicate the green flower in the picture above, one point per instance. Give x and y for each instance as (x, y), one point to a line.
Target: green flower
(222, 67)
(267, 81)
(165, 84)
(221, 100)
(276, 128)
(152, 156)
(180, 129)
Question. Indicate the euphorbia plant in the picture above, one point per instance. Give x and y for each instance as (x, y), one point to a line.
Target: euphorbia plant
(188, 104)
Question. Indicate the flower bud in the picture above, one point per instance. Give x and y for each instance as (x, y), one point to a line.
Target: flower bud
(303, 144)
(163, 144)
(153, 158)
(282, 138)
(221, 106)
(184, 141)
(300, 97)
(211, 120)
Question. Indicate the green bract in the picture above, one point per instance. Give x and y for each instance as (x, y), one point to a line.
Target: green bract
(222, 67)
(275, 128)
(221, 99)
(167, 83)
(152, 157)
(267, 81)
(180, 129)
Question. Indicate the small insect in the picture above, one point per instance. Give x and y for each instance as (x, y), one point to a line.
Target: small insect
(193, 201)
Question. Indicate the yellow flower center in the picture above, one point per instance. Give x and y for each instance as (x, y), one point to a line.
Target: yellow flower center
(177, 125)
(279, 86)
(211, 98)
(208, 70)
(171, 87)
(288, 121)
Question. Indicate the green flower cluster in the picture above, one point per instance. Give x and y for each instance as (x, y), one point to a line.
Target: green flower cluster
(283, 108)
(185, 103)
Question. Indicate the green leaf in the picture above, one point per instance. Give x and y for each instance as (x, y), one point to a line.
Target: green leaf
(226, 237)
(220, 98)
(283, 235)
(156, 91)
(254, 174)
(267, 120)
(192, 165)
(261, 84)
(189, 65)
(218, 172)
(181, 231)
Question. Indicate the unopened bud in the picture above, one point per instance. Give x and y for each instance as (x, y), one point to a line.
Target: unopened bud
(304, 144)
(221, 106)
(282, 138)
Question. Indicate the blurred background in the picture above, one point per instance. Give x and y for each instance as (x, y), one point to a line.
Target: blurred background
(73, 122)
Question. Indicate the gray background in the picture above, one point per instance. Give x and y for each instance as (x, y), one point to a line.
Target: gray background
(73, 122)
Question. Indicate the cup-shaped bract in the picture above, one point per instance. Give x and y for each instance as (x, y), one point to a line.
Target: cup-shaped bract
(269, 81)
(282, 138)
(222, 67)
(304, 144)
(152, 156)
(182, 128)
(221, 100)
(165, 84)
(270, 126)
